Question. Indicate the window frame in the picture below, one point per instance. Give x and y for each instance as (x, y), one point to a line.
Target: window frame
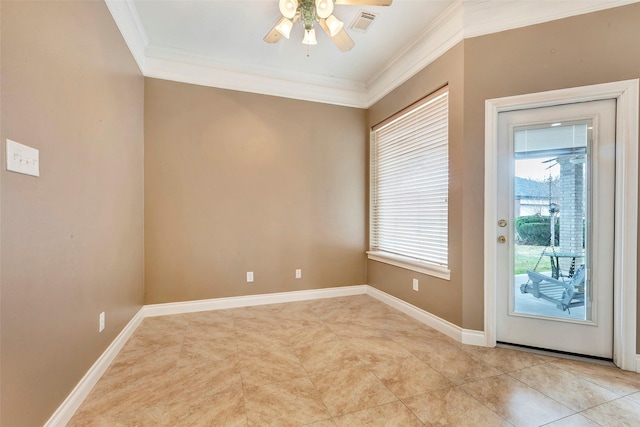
(406, 262)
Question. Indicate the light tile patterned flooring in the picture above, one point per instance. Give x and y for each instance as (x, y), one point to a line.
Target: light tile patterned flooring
(350, 361)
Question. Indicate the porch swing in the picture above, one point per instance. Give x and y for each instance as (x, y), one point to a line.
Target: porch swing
(554, 288)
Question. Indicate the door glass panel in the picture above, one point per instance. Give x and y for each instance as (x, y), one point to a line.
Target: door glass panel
(550, 220)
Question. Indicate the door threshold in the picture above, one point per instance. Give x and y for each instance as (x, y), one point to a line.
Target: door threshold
(556, 353)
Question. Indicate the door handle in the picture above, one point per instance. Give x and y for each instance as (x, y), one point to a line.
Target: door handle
(502, 239)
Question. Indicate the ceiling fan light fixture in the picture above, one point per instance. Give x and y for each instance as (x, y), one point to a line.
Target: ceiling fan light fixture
(324, 8)
(284, 27)
(334, 24)
(308, 12)
(309, 37)
(288, 8)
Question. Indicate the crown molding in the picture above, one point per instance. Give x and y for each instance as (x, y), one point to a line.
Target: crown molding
(128, 21)
(483, 17)
(186, 67)
(472, 18)
(463, 19)
(443, 34)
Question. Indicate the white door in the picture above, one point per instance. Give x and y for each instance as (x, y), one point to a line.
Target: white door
(556, 195)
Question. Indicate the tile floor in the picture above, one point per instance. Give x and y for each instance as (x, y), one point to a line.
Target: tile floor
(350, 361)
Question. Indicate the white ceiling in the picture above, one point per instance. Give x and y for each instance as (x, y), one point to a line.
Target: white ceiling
(220, 43)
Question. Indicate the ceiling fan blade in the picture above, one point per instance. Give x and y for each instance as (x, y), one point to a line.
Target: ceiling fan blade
(364, 2)
(341, 40)
(273, 36)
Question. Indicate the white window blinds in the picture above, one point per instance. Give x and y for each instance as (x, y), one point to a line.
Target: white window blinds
(410, 183)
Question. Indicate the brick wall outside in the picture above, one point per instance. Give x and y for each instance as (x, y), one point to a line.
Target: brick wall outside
(572, 209)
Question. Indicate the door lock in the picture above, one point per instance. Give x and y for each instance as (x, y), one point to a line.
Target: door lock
(502, 239)
(502, 223)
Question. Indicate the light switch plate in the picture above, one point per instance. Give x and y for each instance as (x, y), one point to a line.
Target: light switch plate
(22, 158)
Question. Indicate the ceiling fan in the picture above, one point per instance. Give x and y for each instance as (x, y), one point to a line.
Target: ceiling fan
(321, 11)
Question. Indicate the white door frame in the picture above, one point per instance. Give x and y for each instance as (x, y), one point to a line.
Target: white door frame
(626, 204)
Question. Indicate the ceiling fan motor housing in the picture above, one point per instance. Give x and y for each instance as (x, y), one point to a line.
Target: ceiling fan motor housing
(308, 13)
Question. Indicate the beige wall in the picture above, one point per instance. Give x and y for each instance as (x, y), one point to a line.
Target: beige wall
(72, 240)
(234, 182)
(1, 160)
(582, 50)
(238, 182)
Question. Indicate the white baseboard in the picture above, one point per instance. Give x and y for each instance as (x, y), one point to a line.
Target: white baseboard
(473, 337)
(71, 404)
(638, 363)
(250, 300)
(465, 336)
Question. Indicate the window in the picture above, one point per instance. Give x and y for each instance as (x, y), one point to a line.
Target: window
(410, 187)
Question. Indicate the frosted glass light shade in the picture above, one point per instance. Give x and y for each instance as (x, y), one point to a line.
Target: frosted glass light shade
(334, 24)
(284, 27)
(324, 8)
(288, 8)
(310, 37)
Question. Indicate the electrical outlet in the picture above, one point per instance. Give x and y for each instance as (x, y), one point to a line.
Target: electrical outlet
(415, 285)
(249, 276)
(101, 322)
(298, 273)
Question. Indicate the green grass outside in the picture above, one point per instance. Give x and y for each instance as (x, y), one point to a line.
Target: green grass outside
(527, 256)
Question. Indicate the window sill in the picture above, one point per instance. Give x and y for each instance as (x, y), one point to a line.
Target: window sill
(410, 264)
